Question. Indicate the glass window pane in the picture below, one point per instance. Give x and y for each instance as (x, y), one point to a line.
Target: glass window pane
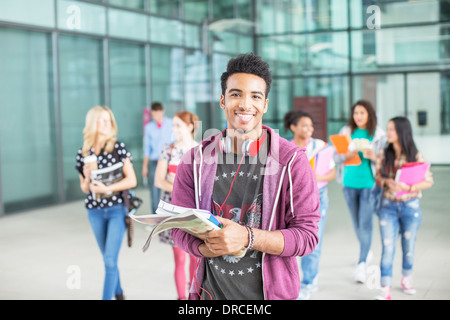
(34, 12)
(27, 123)
(244, 9)
(168, 8)
(128, 95)
(405, 48)
(133, 4)
(197, 95)
(395, 12)
(425, 96)
(309, 53)
(223, 9)
(245, 43)
(219, 65)
(166, 31)
(280, 101)
(129, 25)
(196, 10)
(225, 42)
(193, 35)
(445, 106)
(81, 17)
(266, 18)
(285, 52)
(319, 15)
(166, 74)
(81, 74)
(301, 15)
(327, 52)
(386, 92)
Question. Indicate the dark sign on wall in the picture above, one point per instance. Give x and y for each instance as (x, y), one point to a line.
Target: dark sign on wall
(317, 108)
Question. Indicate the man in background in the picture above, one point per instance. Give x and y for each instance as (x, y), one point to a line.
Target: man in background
(157, 133)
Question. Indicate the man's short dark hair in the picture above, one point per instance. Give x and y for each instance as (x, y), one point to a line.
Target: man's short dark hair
(157, 106)
(247, 63)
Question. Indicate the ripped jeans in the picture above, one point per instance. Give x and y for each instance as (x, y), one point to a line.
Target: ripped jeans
(398, 218)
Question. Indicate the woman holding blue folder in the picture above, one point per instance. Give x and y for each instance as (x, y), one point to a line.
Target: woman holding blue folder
(302, 126)
(400, 207)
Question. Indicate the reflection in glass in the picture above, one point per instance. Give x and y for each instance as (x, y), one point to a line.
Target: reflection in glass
(166, 74)
(128, 25)
(81, 84)
(168, 8)
(274, 16)
(197, 86)
(40, 13)
(28, 145)
(386, 92)
(196, 10)
(128, 95)
(410, 48)
(165, 31)
(132, 4)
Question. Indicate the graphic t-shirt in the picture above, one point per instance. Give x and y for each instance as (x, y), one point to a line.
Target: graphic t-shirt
(360, 177)
(229, 277)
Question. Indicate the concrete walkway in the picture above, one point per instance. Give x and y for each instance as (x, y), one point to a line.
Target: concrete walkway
(50, 253)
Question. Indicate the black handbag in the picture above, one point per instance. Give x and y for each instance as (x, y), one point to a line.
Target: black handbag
(132, 203)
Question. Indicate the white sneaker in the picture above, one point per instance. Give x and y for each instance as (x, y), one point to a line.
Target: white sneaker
(407, 285)
(385, 294)
(305, 292)
(360, 273)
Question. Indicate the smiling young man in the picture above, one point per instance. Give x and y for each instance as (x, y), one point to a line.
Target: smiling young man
(262, 189)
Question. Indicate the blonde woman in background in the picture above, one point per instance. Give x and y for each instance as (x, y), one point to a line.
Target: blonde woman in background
(105, 204)
(184, 123)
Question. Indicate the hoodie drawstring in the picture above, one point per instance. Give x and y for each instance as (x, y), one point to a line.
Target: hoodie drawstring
(200, 174)
(290, 183)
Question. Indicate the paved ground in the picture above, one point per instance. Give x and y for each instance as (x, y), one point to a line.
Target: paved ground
(44, 251)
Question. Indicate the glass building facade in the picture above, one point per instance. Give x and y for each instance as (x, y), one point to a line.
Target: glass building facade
(59, 58)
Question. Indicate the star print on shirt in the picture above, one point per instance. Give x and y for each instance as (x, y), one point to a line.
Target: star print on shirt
(233, 272)
(233, 173)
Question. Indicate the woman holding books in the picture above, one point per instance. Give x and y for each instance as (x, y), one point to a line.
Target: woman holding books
(360, 191)
(302, 126)
(104, 201)
(184, 124)
(400, 206)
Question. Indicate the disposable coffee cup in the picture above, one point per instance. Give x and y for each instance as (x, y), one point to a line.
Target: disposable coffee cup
(91, 161)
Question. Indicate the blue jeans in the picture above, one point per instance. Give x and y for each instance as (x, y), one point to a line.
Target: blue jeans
(362, 203)
(109, 228)
(398, 218)
(155, 193)
(310, 262)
